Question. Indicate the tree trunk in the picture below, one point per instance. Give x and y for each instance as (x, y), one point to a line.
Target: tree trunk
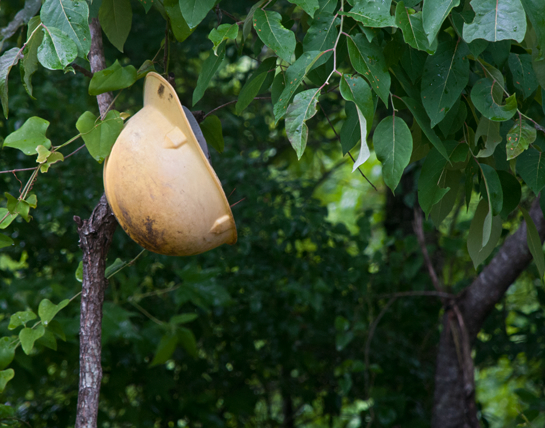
(95, 238)
(454, 402)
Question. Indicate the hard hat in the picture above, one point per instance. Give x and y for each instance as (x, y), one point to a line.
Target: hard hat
(159, 183)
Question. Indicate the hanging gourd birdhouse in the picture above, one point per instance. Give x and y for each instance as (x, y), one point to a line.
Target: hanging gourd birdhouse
(159, 182)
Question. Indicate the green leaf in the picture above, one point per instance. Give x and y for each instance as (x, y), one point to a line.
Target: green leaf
(446, 74)
(5, 377)
(99, 136)
(440, 211)
(253, 86)
(321, 36)
(112, 78)
(179, 26)
(194, 11)
(166, 348)
(212, 131)
(531, 167)
(524, 76)
(5, 241)
(496, 20)
(222, 33)
(535, 11)
(268, 26)
(372, 13)
(147, 4)
(48, 340)
(55, 327)
(493, 188)
(302, 109)
(357, 90)
(29, 136)
(187, 339)
(293, 78)
(511, 192)
(146, 67)
(72, 18)
(29, 63)
(393, 146)
(28, 336)
(7, 352)
(519, 138)
(430, 190)
(8, 218)
(183, 318)
(413, 29)
(434, 13)
(423, 121)
(327, 6)
(477, 251)
(47, 310)
(351, 131)
(209, 68)
(116, 19)
(247, 26)
(490, 130)
(534, 243)
(486, 94)
(368, 60)
(57, 50)
(52, 158)
(7, 60)
(116, 266)
(79, 272)
(20, 318)
(16, 206)
(309, 6)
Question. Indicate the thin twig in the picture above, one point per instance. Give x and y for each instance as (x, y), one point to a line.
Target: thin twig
(419, 232)
(82, 70)
(232, 102)
(75, 151)
(19, 170)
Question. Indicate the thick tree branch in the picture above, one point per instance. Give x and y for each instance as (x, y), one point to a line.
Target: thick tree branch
(95, 238)
(452, 393)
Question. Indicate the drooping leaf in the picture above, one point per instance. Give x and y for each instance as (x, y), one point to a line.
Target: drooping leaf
(183, 318)
(79, 272)
(477, 251)
(99, 136)
(393, 146)
(253, 86)
(302, 109)
(146, 67)
(496, 20)
(116, 20)
(47, 310)
(115, 267)
(531, 167)
(187, 339)
(48, 340)
(423, 121)
(7, 60)
(29, 63)
(440, 211)
(247, 26)
(194, 11)
(56, 328)
(28, 336)
(327, 6)
(223, 33)
(5, 241)
(209, 68)
(491, 133)
(535, 11)
(321, 36)
(5, 377)
(179, 26)
(493, 188)
(166, 348)
(212, 131)
(18, 206)
(412, 62)
(446, 74)
(71, 17)
(368, 60)
(268, 27)
(434, 13)
(519, 138)
(294, 77)
(524, 77)
(430, 190)
(351, 131)
(29, 136)
(485, 96)
(7, 352)
(57, 50)
(30, 8)
(112, 78)
(511, 192)
(372, 13)
(455, 119)
(413, 29)
(534, 243)
(147, 4)
(309, 6)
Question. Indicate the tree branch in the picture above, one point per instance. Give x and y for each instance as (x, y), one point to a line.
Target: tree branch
(95, 238)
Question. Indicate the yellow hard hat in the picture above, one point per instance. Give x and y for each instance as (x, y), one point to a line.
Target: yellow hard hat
(159, 183)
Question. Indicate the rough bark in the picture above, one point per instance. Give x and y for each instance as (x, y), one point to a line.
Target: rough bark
(454, 404)
(95, 238)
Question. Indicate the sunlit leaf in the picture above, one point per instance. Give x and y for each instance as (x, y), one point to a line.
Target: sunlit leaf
(28, 336)
(99, 136)
(47, 310)
(112, 78)
(222, 33)
(29, 136)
